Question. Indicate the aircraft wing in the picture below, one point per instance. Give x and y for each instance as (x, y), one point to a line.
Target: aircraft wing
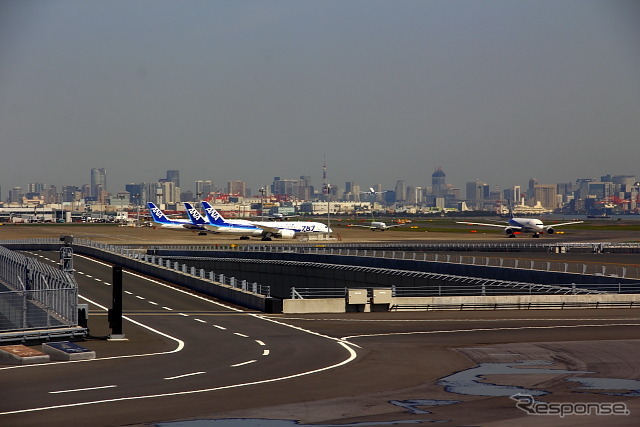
(359, 225)
(395, 225)
(266, 228)
(490, 225)
(564, 223)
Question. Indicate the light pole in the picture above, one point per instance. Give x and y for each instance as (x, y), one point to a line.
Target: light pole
(327, 192)
(262, 191)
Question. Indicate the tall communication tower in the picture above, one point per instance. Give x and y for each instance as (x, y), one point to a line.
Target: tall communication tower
(325, 182)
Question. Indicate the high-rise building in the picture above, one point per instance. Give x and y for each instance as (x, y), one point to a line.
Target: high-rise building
(16, 195)
(547, 196)
(477, 193)
(438, 185)
(138, 193)
(297, 188)
(71, 193)
(414, 195)
(173, 176)
(513, 195)
(401, 192)
(98, 182)
(203, 189)
(237, 187)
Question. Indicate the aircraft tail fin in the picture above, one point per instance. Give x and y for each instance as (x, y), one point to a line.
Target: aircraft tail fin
(194, 215)
(213, 215)
(157, 214)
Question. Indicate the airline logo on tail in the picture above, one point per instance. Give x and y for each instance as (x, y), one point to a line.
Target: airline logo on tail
(157, 214)
(214, 216)
(194, 214)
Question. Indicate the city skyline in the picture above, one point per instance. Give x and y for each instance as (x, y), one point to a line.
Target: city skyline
(438, 182)
(496, 91)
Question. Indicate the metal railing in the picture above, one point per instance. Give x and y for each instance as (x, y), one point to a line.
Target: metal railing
(34, 295)
(140, 253)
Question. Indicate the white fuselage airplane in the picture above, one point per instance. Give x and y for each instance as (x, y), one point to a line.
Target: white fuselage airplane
(523, 225)
(376, 225)
(264, 229)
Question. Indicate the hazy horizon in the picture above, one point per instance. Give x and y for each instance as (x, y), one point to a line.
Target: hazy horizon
(496, 91)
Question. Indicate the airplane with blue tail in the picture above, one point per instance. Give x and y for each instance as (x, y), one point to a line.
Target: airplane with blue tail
(161, 218)
(264, 229)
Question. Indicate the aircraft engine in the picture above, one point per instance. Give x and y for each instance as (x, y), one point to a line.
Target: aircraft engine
(287, 234)
(509, 231)
(550, 230)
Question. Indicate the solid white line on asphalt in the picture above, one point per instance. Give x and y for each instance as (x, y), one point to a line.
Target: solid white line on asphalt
(243, 363)
(185, 375)
(82, 389)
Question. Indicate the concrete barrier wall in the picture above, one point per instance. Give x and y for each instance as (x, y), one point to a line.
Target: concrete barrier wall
(319, 305)
(338, 305)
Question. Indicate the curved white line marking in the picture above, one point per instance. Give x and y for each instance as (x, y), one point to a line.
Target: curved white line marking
(175, 350)
(345, 344)
(352, 356)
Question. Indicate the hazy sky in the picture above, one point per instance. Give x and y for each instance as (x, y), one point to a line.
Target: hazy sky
(500, 91)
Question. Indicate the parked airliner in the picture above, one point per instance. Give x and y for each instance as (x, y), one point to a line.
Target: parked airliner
(523, 225)
(161, 218)
(264, 229)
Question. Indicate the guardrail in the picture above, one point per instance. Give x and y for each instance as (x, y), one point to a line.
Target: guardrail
(139, 253)
(35, 295)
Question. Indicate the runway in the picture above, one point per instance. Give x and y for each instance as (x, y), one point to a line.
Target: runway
(190, 358)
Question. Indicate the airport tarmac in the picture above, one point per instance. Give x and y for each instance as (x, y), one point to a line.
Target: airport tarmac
(449, 367)
(114, 234)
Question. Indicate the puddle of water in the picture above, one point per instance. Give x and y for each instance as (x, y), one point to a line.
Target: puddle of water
(412, 404)
(632, 387)
(469, 381)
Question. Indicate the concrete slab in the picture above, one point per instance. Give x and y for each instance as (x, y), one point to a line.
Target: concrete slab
(66, 350)
(21, 355)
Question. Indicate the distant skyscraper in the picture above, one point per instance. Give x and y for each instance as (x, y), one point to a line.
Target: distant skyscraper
(237, 187)
(173, 176)
(477, 193)
(138, 193)
(547, 195)
(98, 182)
(438, 186)
(203, 189)
(401, 191)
